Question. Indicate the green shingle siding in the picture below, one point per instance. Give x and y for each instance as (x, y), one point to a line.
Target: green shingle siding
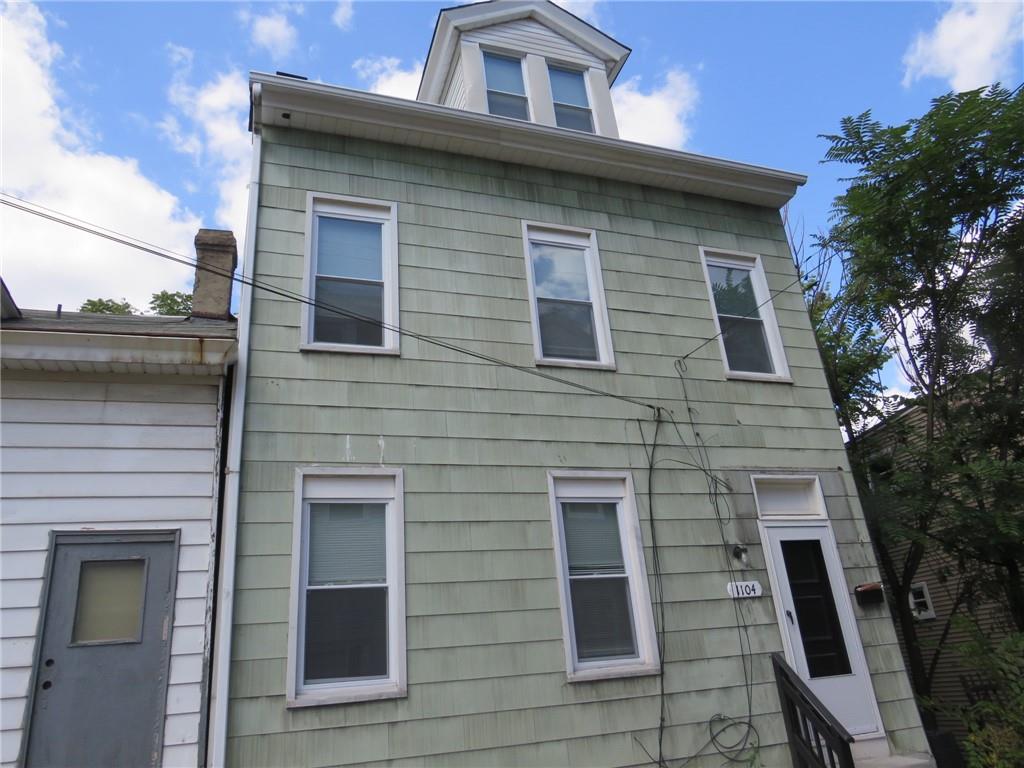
(485, 656)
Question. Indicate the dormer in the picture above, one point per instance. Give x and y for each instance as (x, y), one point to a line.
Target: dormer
(526, 60)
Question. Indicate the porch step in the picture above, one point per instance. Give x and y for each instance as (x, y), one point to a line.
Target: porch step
(897, 761)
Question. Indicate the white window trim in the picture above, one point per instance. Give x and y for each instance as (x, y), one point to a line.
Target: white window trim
(776, 348)
(507, 53)
(594, 486)
(928, 613)
(395, 685)
(366, 210)
(581, 238)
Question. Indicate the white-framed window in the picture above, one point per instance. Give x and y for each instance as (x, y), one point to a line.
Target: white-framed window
(749, 335)
(352, 267)
(921, 601)
(569, 94)
(506, 86)
(607, 620)
(570, 318)
(346, 634)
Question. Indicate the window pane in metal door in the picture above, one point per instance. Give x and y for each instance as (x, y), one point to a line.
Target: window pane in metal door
(110, 600)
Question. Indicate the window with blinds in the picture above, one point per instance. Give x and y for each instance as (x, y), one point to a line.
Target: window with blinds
(352, 275)
(506, 91)
(569, 94)
(606, 608)
(348, 626)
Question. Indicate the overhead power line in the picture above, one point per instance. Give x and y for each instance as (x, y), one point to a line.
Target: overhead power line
(164, 253)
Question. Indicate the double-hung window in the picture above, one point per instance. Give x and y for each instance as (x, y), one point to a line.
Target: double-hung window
(921, 601)
(606, 609)
(569, 93)
(744, 317)
(570, 320)
(506, 90)
(347, 627)
(352, 275)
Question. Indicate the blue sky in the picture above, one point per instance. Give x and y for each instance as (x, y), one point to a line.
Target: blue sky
(132, 115)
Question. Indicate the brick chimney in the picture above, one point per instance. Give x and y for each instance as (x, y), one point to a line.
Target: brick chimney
(215, 250)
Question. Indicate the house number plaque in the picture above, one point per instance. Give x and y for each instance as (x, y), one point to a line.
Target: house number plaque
(739, 589)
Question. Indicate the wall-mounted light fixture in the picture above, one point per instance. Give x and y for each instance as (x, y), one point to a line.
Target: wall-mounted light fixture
(739, 552)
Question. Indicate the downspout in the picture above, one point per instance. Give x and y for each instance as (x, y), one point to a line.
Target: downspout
(226, 593)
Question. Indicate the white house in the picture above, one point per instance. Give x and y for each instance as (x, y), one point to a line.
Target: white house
(111, 453)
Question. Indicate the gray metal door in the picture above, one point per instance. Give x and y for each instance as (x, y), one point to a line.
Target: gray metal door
(101, 671)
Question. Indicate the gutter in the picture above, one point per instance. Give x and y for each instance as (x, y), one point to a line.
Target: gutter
(106, 349)
(287, 102)
(225, 599)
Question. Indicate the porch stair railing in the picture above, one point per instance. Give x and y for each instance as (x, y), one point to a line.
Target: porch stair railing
(816, 738)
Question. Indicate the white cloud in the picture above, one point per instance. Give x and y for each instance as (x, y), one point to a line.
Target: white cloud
(971, 46)
(660, 116)
(342, 16)
(217, 136)
(384, 74)
(585, 9)
(273, 31)
(47, 161)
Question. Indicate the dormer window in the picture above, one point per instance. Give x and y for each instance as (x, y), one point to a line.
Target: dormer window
(506, 92)
(569, 93)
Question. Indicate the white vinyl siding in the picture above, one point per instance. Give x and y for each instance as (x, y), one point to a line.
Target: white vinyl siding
(351, 275)
(607, 619)
(748, 333)
(567, 302)
(455, 91)
(100, 453)
(530, 36)
(347, 624)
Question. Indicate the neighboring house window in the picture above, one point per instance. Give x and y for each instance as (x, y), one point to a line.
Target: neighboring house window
(570, 320)
(347, 630)
(744, 317)
(921, 601)
(506, 92)
(352, 256)
(569, 92)
(606, 609)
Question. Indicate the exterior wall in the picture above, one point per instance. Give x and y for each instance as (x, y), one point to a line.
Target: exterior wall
(486, 668)
(530, 36)
(94, 453)
(455, 91)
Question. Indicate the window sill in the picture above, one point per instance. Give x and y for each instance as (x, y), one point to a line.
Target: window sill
(767, 377)
(321, 698)
(554, 362)
(588, 674)
(320, 346)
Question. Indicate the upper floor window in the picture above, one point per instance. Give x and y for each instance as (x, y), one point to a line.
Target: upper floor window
(748, 332)
(570, 320)
(569, 93)
(352, 275)
(506, 91)
(347, 633)
(606, 608)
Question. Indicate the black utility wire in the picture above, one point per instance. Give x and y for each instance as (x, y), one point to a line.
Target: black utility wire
(118, 237)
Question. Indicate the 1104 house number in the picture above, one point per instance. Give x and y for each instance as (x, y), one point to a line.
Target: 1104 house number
(739, 589)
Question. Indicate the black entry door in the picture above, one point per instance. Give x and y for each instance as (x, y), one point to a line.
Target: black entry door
(101, 674)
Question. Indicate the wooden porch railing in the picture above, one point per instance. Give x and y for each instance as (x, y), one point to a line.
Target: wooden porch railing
(816, 738)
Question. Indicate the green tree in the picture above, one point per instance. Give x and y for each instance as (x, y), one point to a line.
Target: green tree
(928, 241)
(171, 303)
(108, 307)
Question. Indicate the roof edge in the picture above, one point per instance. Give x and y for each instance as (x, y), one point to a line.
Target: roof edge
(387, 118)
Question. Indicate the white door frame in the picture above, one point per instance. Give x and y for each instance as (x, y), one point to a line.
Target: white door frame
(817, 519)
